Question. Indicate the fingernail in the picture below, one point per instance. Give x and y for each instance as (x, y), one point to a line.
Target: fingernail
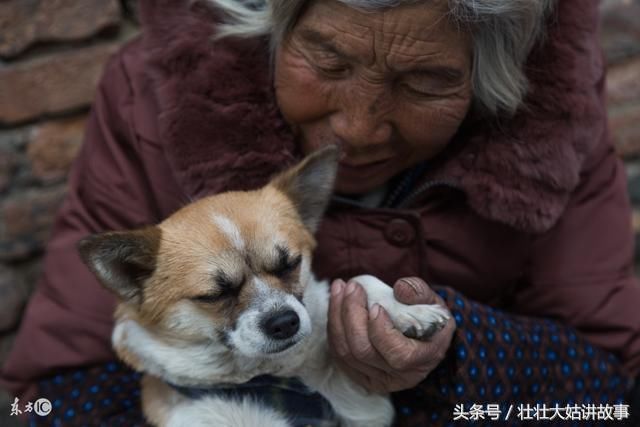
(351, 287)
(337, 287)
(417, 290)
(375, 311)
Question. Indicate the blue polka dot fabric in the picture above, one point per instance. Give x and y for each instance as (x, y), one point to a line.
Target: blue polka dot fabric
(498, 358)
(105, 395)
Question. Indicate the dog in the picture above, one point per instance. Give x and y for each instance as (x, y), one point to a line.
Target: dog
(222, 292)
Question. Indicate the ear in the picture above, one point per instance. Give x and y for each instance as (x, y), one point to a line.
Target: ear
(122, 260)
(309, 184)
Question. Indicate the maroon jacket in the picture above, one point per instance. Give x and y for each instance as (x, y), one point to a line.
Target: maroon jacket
(530, 215)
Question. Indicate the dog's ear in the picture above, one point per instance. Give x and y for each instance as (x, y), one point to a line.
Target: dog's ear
(122, 260)
(309, 184)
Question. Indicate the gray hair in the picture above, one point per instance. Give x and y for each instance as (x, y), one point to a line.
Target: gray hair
(503, 33)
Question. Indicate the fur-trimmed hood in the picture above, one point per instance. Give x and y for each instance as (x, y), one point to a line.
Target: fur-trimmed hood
(216, 112)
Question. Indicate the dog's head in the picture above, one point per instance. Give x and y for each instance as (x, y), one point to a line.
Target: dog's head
(226, 273)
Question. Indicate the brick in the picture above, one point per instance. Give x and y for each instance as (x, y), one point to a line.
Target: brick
(625, 126)
(8, 163)
(620, 33)
(14, 138)
(25, 221)
(23, 23)
(623, 82)
(12, 158)
(53, 147)
(52, 84)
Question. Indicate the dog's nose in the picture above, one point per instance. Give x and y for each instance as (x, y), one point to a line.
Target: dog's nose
(282, 325)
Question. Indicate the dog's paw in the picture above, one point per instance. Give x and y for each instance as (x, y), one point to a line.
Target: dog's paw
(419, 321)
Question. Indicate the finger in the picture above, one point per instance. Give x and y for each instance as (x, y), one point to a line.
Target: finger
(383, 382)
(414, 290)
(355, 318)
(339, 346)
(399, 352)
(335, 331)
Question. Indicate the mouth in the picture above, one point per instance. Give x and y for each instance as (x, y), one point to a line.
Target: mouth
(355, 170)
(351, 165)
(280, 348)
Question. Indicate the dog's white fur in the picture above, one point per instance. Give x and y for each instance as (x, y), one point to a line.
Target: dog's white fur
(309, 360)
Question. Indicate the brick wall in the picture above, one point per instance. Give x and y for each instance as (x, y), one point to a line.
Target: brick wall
(51, 56)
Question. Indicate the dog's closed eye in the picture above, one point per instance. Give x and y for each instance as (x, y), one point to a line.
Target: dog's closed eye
(225, 288)
(208, 298)
(286, 265)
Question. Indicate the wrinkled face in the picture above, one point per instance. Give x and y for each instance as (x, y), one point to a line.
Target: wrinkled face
(232, 269)
(390, 87)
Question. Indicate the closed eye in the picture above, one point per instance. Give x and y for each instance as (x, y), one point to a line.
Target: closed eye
(286, 266)
(209, 298)
(332, 70)
(225, 288)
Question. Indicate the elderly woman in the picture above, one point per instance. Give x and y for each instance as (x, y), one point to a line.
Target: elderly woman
(476, 159)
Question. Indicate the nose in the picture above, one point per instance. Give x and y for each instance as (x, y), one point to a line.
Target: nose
(281, 325)
(361, 122)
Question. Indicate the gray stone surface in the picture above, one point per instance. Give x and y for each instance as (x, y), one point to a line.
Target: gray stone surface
(26, 22)
(51, 84)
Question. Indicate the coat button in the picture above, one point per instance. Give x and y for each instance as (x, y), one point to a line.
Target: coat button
(400, 232)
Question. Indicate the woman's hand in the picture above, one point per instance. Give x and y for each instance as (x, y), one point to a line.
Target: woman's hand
(371, 350)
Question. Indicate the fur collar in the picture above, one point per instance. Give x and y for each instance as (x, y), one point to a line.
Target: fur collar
(222, 130)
